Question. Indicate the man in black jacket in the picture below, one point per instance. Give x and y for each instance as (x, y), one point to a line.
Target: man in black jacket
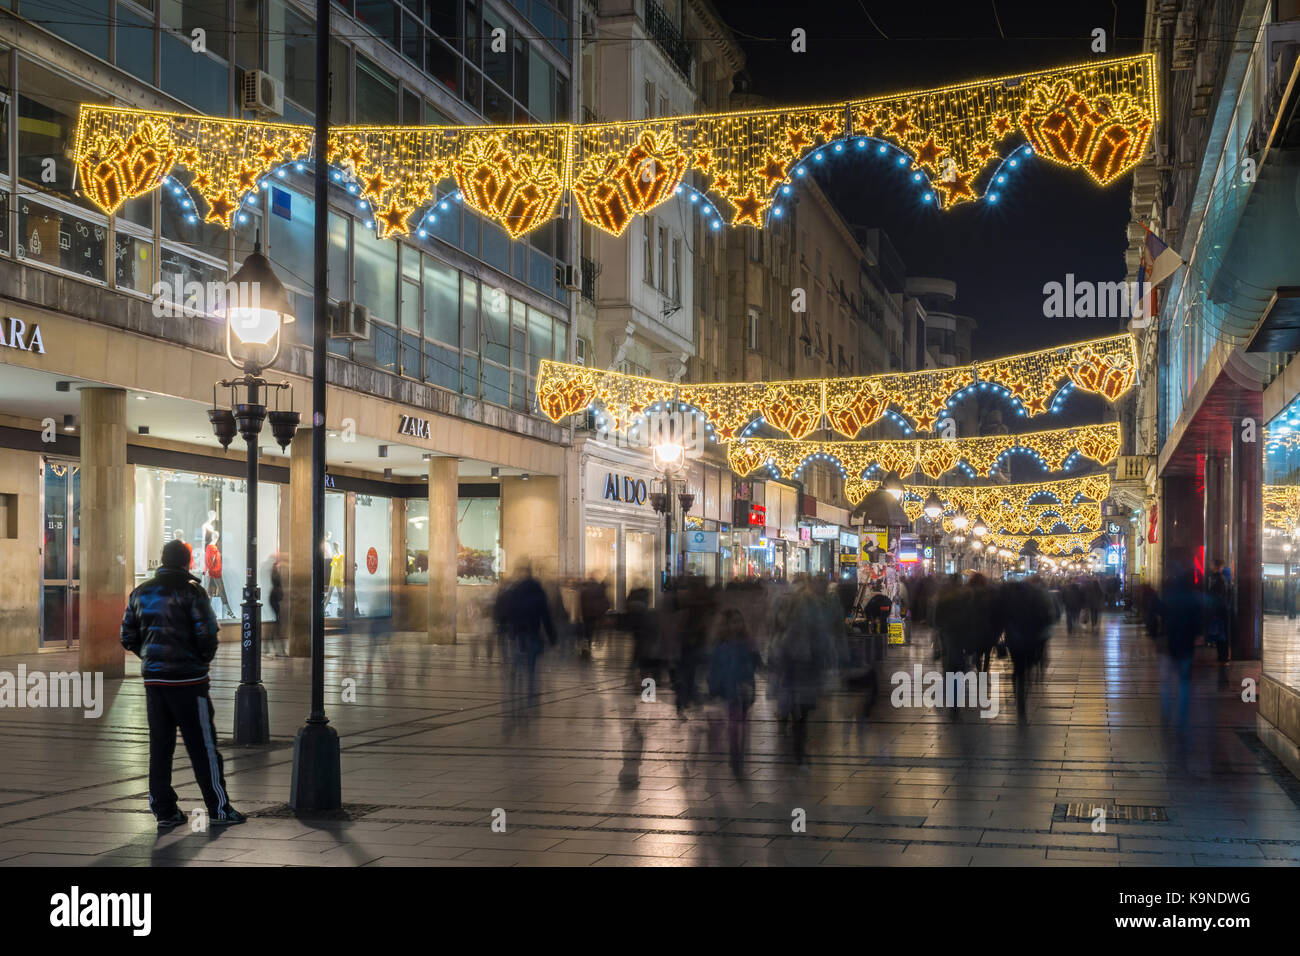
(170, 626)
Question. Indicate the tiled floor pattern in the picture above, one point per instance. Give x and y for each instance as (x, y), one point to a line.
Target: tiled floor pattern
(429, 762)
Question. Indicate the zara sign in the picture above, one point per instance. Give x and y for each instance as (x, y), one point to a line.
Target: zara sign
(18, 338)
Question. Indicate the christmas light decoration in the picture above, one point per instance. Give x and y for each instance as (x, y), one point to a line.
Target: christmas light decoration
(1095, 116)
(933, 456)
(847, 405)
(1282, 507)
(993, 503)
(1053, 545)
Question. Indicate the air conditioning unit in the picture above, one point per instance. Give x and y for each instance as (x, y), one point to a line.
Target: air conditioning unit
(572, 279)
(263, 93)
(350, 321)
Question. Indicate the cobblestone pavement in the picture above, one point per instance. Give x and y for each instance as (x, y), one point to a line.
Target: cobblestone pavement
(428, 756)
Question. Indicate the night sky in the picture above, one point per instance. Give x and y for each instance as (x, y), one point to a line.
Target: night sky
(1049, 221)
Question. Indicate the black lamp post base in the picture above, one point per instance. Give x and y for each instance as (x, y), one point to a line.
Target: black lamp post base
(252, 723)
(317, 782)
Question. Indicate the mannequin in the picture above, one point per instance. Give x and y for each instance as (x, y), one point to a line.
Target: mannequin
(336, 574)
(212, 568)
(179, 535)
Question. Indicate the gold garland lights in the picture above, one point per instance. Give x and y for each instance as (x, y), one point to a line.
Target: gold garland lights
(933, 456)
(1282, 507)
(800, 407)
(1095, 116)
(1049, 545)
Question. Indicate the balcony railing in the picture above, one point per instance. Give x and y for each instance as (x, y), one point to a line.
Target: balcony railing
(669, 38)
(588, 279)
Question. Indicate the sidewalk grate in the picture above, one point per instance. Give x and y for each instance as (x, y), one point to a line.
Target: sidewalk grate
(349, 811)
(1130, 812)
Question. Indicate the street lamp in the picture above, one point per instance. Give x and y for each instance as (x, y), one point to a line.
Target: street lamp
(960, 521)
(979, 529)
(933, 507)
(253, 330)
(893, 484)
(668, 457)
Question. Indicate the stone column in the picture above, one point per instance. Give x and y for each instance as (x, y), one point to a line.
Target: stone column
(444, 542)
(106, 561)
(295, 576)
(530, 525)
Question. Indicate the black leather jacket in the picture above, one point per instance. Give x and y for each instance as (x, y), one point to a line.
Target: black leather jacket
(170, 626)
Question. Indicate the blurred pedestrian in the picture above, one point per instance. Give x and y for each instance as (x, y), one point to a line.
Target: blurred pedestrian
(733, 669)
(645, 675)
(1182, 612)
(523, 615)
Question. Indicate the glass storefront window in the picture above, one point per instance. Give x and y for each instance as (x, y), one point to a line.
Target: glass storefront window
(132, 263)
(332, 551)
(417, 541)
(374, 556)
(640, 560)
(209, 514)
(61, 239)
(601, 555)
(478, 560)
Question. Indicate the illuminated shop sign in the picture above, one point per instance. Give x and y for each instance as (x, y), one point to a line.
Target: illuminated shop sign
(625, 488)
(417, 427)
(14, 335)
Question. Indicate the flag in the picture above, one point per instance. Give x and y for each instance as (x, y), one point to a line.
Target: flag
(1158, 262)
(1164, 261)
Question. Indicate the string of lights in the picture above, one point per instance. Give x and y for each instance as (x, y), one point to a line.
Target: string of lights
(847, 405)
(933, 456)
(1094, 116)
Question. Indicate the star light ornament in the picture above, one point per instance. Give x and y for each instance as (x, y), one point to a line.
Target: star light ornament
(1094, 116)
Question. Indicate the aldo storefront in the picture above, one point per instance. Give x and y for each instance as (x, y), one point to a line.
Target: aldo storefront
(622, 534)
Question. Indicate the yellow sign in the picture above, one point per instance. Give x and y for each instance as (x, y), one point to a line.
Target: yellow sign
(897, 632)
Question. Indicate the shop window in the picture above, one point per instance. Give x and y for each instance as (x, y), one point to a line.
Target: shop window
(194, 78)
(600, 556)
(132, 263)
(376, 95)
(375, 269)
(539, 339)
(176, 269)
(441, 302)
(62, 239)
(469, 327)
(85, 25)
(135, 44)
(417, 540)
(332, 554)
(372, 580)
(47, 129)
(209, 514)
(185, 16)
(292, 54)
(478, 524)
(496, 326)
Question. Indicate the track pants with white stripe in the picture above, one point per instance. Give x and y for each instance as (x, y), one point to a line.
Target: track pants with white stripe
(190, 709)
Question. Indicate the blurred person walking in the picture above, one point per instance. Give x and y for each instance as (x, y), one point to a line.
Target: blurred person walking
(733, 670)
(170, 626)
(645, 676)
(1027, 612)
(523, 613)
(802, 656)
(1182, 608)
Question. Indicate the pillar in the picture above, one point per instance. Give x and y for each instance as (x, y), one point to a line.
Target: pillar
(106, 561)
(530, 525)
(444, 546)
(295, 574)
(1247, 494)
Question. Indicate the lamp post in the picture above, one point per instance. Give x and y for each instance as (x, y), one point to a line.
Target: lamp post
(316, 783)
(254, 323)
(668, 458)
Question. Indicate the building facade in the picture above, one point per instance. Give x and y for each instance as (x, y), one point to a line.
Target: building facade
(441, 478)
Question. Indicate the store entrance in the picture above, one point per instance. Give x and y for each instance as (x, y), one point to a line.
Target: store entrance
(357, 550)
(61, 552)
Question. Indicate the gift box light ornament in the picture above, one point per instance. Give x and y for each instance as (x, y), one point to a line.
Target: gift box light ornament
(1106, 366)
(931, 455)
(1095, 116)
